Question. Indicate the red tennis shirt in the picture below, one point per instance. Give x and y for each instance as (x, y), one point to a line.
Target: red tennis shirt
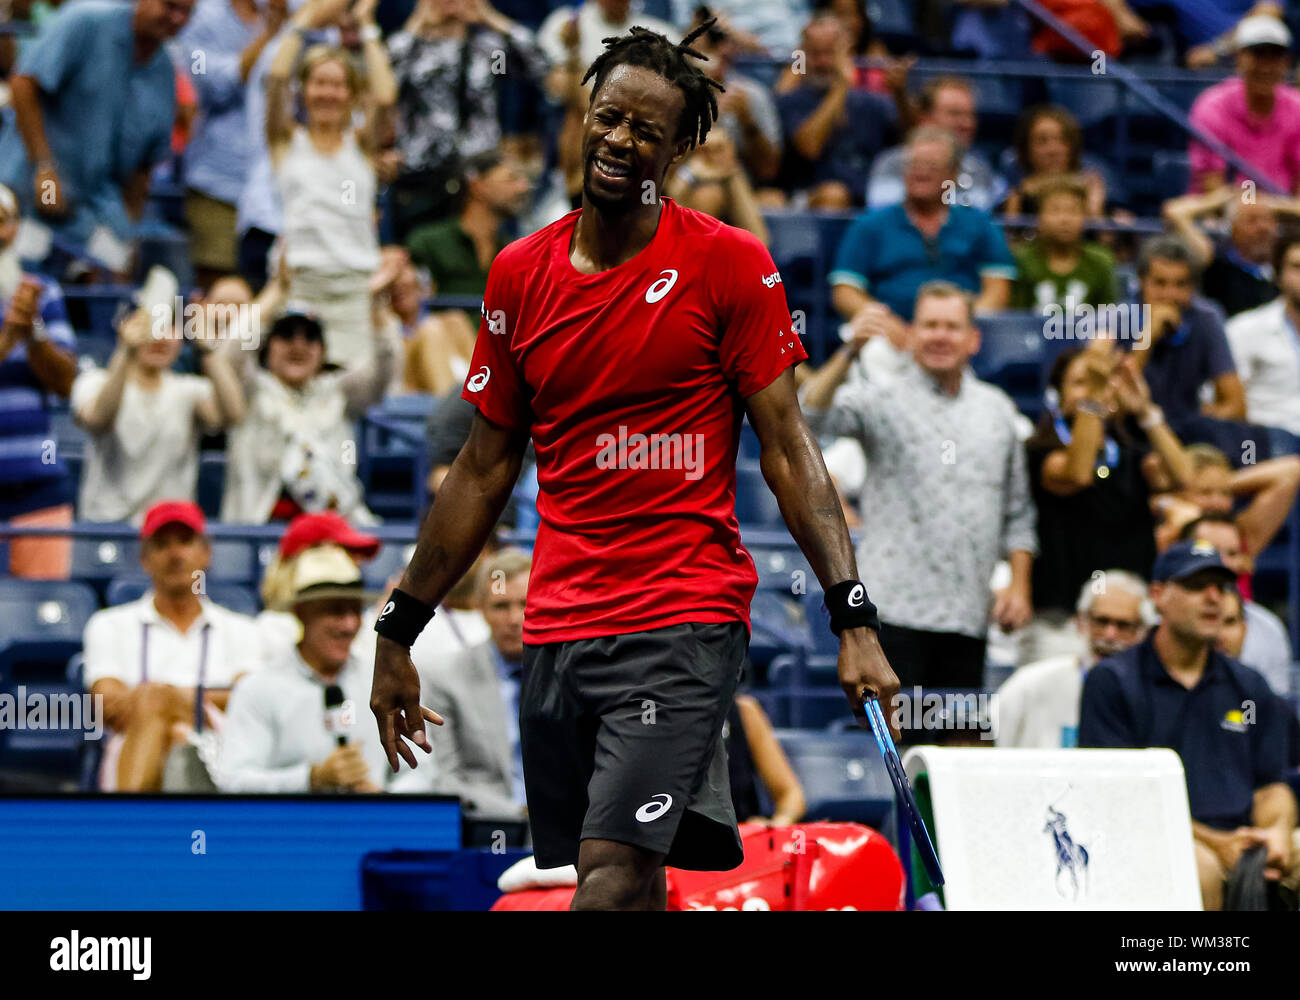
(631, 382)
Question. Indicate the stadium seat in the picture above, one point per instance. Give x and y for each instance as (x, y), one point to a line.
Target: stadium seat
(233, 561)
(44, 610)
(212, 482)
(780, 616)
(755, 504)
(98, 560)
(41, 623)
(393, 463)
(233, 596)
(391, 558)
(1172, 171)
(800, 257)
(1013, 355)
(843, 777)
(777, 568)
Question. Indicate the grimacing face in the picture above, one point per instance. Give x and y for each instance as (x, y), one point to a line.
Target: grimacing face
(630, 138)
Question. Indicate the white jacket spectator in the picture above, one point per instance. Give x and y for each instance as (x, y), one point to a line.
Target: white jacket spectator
(284, 732)
(296, 441)
(1264, 347)
(145, 421)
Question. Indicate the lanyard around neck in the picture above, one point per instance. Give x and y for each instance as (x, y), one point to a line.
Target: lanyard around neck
(203, 667)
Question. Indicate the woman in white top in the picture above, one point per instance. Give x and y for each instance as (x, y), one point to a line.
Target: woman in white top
(325, 172)
(145, 421)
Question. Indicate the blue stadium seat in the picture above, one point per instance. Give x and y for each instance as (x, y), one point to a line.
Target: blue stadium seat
(1172, 171)
(777, 566)
(393, 459)
(44, 610)
(212, 482)
(233, 561)
(755, 504)
(232, 596)
(1013, 354)
(799, 254)
(749, 446)
(41, 622)
(780, 616)
(1091, 99)
(843, 777)
(97, 560)
(391, 558)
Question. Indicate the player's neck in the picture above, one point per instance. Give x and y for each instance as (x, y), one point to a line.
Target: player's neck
(602, 241)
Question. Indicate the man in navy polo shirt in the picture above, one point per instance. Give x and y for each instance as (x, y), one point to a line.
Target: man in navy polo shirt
(1174, 689)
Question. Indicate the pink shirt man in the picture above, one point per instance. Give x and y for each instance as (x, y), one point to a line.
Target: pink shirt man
(1270, 143)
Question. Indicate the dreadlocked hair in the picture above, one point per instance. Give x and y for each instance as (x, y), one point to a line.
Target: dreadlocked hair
(652, 51)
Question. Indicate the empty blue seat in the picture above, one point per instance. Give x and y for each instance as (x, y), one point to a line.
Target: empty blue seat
(755, 504)
(44, 610)
(843, 777)
(391, 558)
(779, 568)
(1172, 171)
(1013, 355)
(233, 561)
(212, 482)
(780, 616)
(97, 560)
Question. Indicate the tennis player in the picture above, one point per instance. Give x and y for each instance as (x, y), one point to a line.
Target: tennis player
(629, 339)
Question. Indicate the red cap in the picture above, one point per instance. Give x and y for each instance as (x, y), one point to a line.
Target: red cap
(173, 512)
(308, 530)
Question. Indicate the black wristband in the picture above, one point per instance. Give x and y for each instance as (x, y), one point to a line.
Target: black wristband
(403, 618)
(850, 607)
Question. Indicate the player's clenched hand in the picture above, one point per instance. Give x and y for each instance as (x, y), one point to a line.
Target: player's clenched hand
(864, 673)
(395, 700)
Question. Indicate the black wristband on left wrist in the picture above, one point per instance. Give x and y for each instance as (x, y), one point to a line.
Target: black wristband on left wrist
(850, 607)
(403, 618)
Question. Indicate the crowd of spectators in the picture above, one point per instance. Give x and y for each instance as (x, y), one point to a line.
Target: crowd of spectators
(345, 172)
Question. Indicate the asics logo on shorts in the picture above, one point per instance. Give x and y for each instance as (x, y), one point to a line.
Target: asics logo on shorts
(655, 808)
(479, 380)
(856, 595)
(661, 287)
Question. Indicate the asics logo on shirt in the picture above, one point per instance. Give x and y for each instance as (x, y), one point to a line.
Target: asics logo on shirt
(479, 379)
(661, 287)
(656, 807)
(856, 595)
(773, 279)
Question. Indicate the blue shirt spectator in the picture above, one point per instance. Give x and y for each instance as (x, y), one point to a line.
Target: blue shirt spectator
(1184, 360)
(33, 475)
(210, 48)
(107, 115)
(886, 256)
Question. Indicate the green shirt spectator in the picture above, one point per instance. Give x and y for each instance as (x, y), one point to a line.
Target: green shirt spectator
(1038, 285)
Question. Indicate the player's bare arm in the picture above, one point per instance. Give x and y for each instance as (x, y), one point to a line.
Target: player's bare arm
(466, 508)
(793, 467)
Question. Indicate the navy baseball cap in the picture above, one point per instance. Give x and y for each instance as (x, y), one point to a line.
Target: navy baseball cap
(1185, 558)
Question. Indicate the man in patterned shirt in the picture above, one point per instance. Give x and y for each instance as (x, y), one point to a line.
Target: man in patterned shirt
(947, 493)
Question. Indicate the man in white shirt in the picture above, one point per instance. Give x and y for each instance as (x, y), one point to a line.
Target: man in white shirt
(1038, 706)
(294, 726)
(1267, 648)
(165, 663)
(1265, 345)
